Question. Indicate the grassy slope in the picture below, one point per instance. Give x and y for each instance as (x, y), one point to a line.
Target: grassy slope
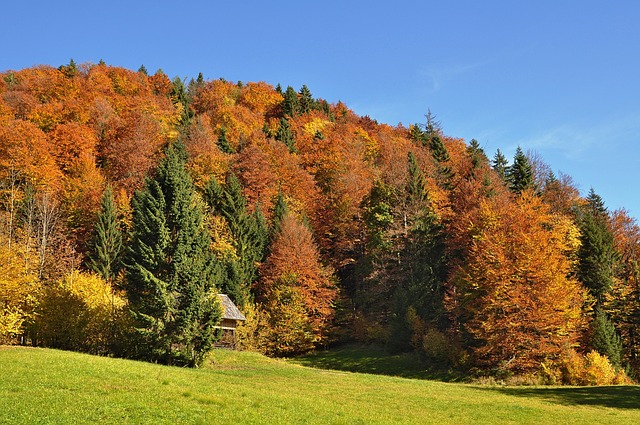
(47, 386)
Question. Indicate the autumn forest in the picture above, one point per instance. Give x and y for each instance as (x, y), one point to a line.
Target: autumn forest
(129, 200)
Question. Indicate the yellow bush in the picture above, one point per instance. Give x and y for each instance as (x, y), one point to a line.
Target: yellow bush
(591, 369)
(79, 312)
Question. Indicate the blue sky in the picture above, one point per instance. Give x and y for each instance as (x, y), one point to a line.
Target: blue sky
(561, 78)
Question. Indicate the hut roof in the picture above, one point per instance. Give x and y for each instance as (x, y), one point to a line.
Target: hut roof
(229, 309)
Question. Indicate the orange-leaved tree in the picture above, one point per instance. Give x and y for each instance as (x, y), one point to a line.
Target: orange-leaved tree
(295, 291)
(514, 297)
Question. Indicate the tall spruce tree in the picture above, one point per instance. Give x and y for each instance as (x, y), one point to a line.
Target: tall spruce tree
(105, 257)
(605, 339)
(519, 175)
(223, 142)
(416, 185)
(500, 165)
(280, 209)
(596, 254)
(171, 274)
(290, 104)
(285, 135)
(306, 102)
(250, 236)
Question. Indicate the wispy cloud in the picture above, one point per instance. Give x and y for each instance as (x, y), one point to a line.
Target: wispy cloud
(436, 77)
(576, 141)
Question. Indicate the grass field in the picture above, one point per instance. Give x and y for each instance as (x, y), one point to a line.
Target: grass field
(42, 386)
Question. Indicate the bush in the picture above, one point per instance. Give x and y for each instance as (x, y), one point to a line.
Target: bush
(80, 312)
(591, 369)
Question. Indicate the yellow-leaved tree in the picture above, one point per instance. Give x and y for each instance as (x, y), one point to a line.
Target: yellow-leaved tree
(514, 297)
(18, 280)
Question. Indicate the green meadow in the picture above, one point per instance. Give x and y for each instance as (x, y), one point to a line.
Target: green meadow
(43, 386)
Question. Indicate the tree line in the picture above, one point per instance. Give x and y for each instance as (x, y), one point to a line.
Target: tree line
(130, 200)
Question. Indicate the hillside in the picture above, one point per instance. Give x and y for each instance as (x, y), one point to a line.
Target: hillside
(127, 200)
(47, 386)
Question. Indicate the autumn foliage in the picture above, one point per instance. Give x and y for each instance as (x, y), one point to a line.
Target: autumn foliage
(324, 226)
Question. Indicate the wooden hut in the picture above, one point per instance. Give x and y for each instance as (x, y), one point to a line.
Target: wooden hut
(231, 315)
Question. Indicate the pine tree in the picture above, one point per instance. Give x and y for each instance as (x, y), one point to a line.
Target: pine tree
(306, 100)
(416, 185)
(223, 142)
(250, 236)
(441, 155)
(596, 255)
(605, 339)
(280, 209)
(417, 135)
(180, 96)
(519, 175)
(285, 135)
(476, 153)
(105, 258)
(171, 275)
(500, 165)
(290, 105)
(143, 70)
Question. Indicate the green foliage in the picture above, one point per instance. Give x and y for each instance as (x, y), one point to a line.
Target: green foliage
(500, 165)
(416, 190)
(280, 210)
(171, 273)
(417, 135)
(223, 142)
(306, 102)
(250, 237)
(477, 154)
(596, 255)
(438, 150)
(70, 70)
(143, 70)
(180, 95)
(604, 338)
(290, 104)
(519, 175)
(105, 257)
(378, 214)
(285, 135)
(399, 326)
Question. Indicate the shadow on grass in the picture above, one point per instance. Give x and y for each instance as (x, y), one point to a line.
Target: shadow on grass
(619, 397)
(375, 360)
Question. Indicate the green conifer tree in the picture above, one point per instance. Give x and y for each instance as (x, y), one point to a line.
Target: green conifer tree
(306, 102)
(285, 135)
(416, 185)
(180, 95)
(105, 258)
(500, 165)
(171, 274)
(417, 135)
(476, 153)
(280, 210)
(250, 235)
(519, 175)
(596, 255)
(143, 70)
(290, 105)
(223, 142)
(605, 339)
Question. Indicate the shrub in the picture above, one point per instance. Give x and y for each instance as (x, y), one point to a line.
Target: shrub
(79, 312)
(591, 369)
